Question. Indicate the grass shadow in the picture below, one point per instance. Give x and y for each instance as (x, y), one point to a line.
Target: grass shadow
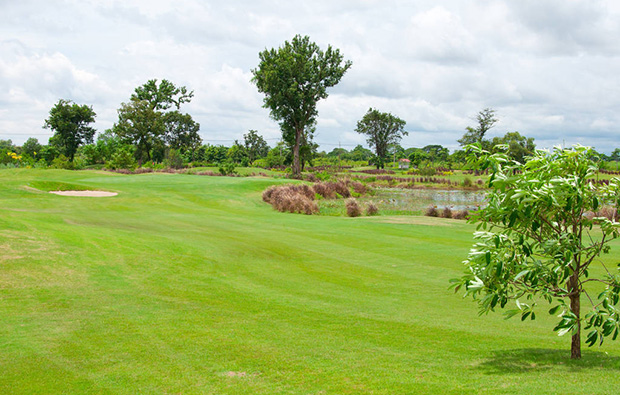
(539, 359)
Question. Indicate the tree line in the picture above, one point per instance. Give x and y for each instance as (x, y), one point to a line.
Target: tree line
(152, 128)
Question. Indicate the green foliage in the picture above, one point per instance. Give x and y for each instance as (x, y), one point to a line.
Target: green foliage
(294, 78)
(517, 147)
(536, 243)
(162, 96)
(31, 147)
(174, 159)
(227, 168)
(62, 162)
(486, 120)
(255, 146)
(123, 158)
(382, 130)
(141, 125)
(70, 123)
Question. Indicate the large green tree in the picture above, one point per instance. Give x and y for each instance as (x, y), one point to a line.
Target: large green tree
(486, 120)
(152, 118)
(141, 125)
(294, 78)
(382, 130)
(71, 125)
(539, 240)
(162, 96)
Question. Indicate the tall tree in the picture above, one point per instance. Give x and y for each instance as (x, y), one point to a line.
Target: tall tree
(540, 241)
(152, 117)
(294, 78)
(486, 120)
(71, 125)
(162, 96)
(382, 130)
(141, 125)
(255, 145)
(182, 132)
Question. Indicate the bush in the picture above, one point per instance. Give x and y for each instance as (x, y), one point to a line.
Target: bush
(353, 209)
(291, 198)
(358, 187)
(372, 209)
(461, 214)
(122, 159)
(446, 212)
(174, 159)
(62, 162)
(431, 211)
(467, 182)
(227, 168)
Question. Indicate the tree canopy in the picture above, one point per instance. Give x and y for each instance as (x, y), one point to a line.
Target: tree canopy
(382, 130)
(71, 125)
(293, 79)
(486, 120)
(152, 118)
(540, 238)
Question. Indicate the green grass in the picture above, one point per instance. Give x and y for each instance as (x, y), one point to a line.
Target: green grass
(189, 284)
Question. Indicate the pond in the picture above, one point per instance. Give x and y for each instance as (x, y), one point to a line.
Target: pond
(420, 199)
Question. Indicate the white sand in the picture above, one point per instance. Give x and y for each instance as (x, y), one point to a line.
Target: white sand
(84, 193)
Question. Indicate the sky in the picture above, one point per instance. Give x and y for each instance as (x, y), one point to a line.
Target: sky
(549, 68)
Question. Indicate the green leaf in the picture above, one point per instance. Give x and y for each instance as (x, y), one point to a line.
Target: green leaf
(555, 309)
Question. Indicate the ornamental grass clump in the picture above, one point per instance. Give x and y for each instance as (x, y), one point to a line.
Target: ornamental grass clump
(372, 209)
(431, 211)
(291, 198)
(353, 208)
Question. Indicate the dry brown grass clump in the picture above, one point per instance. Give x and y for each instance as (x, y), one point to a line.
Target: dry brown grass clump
(446, 212)
(431, 211)
(353, 209)
(372, 209)
(291, 198)
(460, 214)
(329, 189)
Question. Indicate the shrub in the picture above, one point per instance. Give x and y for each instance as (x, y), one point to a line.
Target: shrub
(122, 159)
(467, 182)
(174, 159)
(372, 209)
(358, 187)
(291, 198)
(431, 211)
(461, 214)
(227, 168)
(353, 209)
(446, 212)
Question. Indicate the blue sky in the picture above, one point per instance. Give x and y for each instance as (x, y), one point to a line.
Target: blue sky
(548, 67)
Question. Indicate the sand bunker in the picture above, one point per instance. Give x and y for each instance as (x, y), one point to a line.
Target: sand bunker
(84, 193)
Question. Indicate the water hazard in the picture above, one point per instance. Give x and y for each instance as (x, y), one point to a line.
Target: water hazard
(420, 199)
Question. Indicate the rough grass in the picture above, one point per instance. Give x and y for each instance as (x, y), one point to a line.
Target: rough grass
(192, 285)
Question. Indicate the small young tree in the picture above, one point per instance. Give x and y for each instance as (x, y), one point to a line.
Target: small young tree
(536, 243)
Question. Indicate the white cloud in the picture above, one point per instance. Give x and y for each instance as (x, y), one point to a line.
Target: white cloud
(548, 68)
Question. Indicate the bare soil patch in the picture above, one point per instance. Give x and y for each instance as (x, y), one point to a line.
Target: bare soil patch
(84, 193)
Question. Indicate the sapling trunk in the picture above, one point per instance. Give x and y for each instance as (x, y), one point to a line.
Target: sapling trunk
(575, 308)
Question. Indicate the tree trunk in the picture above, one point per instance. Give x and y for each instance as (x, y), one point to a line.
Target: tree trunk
(296, 167)
(575, 308)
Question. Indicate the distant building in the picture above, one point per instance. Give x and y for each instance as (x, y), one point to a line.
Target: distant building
(404, 163)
